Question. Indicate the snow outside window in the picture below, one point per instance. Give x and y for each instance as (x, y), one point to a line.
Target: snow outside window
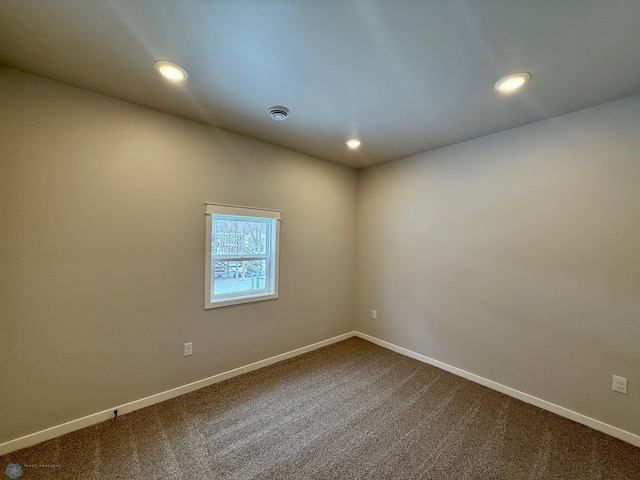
(241, 257)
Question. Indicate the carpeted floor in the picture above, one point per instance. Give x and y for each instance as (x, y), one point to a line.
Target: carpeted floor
(352, 410)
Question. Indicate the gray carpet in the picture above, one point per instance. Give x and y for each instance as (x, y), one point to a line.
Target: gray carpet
(352, 410)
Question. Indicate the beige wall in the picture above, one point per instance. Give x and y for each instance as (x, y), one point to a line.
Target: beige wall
(102, 252)
(515, 257)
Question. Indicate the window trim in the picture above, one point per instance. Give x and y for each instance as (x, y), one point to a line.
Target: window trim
(272, 260)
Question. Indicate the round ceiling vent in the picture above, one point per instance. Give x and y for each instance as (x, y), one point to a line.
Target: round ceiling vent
(278, 112)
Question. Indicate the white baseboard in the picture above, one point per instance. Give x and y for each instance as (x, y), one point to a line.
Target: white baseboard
(56, 431)
(616, 432)
(49, 433)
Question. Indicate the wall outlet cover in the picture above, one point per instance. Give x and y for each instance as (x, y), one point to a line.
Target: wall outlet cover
(619, 384)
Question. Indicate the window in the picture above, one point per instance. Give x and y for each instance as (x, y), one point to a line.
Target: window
(241, 258)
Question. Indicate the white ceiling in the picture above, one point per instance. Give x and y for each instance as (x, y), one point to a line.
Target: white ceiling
(404, 76)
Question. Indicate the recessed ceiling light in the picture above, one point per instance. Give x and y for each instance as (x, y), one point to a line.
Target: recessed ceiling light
(512, 82)
(170, 70)
(353, 143)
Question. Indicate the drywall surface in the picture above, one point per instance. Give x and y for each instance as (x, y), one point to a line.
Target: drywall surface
(102, 252)
(515, 257)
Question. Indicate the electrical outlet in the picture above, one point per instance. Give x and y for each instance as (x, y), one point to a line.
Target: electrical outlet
(374, 314)
(188, 349)
(619, 384)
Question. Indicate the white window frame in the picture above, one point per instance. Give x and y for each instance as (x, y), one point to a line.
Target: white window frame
(271, 257)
